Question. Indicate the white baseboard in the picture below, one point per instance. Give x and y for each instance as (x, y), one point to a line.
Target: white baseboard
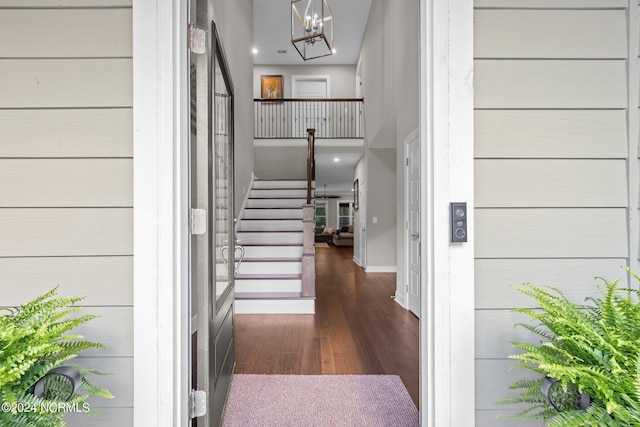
(401, 299)
(381, 269)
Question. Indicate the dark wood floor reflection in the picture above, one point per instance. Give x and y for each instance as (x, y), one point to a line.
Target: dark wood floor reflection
(357, 329)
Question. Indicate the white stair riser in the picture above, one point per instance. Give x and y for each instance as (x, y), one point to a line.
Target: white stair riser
(253, 252)
(268, 285)
(277, 193)
(276, 203)
(275, 267)
(271, 225)
(273, 214)
(281, 184)
(275, 306)
(247, 237)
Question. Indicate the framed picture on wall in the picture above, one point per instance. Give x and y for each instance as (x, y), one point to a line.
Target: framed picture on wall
(271, 87)
(356, 194)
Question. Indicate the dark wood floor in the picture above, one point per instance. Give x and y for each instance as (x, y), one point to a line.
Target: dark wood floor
(357, 329)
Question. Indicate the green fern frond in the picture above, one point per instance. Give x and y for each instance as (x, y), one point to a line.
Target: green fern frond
(594, 416)
(35, 338)
(591, 347)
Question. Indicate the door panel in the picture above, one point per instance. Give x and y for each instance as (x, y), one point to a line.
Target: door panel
(309, 114)
(211, 191)
(221, 202)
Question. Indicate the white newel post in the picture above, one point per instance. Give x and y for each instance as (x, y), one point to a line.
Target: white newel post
(308, 251)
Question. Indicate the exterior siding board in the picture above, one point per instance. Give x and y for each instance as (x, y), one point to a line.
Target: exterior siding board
(103, 280)
(66, 232)
(550, 183)
(534, 33)
(576, 277)
(540, 84)
(65, 4)
(552, 167)
(66, 148)
(552, 4)
(66, 83)
(551, 233)
(559, 134)
(109, 417)
(53, 33)
(66, 182)
(66, 133)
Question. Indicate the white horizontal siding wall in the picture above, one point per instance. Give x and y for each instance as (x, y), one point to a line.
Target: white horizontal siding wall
(552, 166)
(66, 186)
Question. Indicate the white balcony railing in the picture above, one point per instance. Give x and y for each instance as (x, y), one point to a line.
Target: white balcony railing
(290, 118)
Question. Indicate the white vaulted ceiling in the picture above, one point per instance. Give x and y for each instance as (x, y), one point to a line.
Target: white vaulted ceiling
(272, 32)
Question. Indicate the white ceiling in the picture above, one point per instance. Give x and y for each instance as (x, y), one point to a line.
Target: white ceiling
(272, 32)
(337, 176)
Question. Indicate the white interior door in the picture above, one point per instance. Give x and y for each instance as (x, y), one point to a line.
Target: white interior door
(309, 114)
(412, 230)
(362, 211)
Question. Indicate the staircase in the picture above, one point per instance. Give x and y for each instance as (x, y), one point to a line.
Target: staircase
(269, 279)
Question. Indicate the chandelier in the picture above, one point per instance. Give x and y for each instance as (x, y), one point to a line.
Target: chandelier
(312, 28)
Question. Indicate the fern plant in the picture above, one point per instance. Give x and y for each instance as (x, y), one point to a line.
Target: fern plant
(34, 339)
(591, 348)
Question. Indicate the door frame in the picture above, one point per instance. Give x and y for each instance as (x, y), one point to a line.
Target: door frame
(160, 223)
(447, 374)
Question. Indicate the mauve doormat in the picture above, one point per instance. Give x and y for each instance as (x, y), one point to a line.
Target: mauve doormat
(319, 400)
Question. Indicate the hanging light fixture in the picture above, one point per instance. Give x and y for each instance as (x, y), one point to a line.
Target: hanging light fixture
(312, 28)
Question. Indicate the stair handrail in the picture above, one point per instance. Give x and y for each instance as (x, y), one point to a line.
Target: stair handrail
(310, 162)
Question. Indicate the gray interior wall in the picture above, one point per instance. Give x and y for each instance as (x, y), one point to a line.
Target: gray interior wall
(406, 55)
(279, 163)
(343, 78)
(552, 167)
(381, 195)
(66, 167)
(230, 16)
(389, 73)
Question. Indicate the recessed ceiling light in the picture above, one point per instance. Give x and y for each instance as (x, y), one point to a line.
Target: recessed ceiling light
(254, 50)
(336, 159)
(333, 50)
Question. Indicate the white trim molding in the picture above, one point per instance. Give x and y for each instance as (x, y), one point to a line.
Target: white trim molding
(160, 293)
(447, 386)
